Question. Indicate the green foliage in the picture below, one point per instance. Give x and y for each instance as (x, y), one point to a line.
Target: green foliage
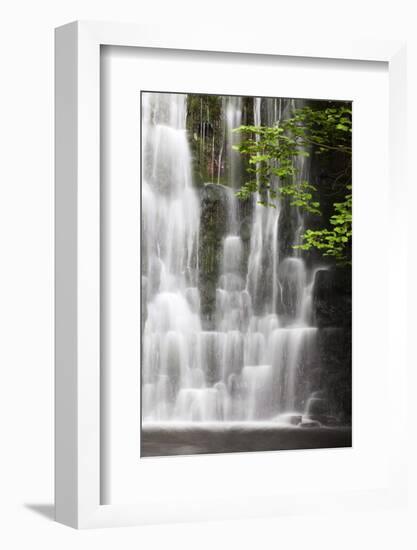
(273, 155)
(332, 242)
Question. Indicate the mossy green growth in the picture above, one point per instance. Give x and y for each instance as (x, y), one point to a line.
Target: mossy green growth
(205, 128)
(213, 227)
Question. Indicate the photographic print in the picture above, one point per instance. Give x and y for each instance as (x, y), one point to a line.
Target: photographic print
(246, 258)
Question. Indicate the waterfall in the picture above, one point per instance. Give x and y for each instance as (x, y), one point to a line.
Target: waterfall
(253, 363)
(170, 228)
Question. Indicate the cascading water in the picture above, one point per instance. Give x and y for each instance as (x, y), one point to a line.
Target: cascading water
(252, 363)
(170, 218)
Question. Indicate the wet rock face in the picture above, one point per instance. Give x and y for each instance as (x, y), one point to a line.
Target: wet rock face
(246, 229)
(332, 298)
(291, 276)
(333, 377)
(317, 406)
(287, 225)
(213, 227)
(336, 369)
(332, 310)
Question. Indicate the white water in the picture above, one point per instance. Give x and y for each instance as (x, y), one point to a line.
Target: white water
(253, 366)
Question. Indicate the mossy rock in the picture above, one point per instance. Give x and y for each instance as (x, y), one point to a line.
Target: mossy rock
(213, 227)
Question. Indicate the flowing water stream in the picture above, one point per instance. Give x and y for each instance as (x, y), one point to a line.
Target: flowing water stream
(252, 363)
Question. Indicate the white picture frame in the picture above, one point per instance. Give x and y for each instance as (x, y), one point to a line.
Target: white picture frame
(78, 407)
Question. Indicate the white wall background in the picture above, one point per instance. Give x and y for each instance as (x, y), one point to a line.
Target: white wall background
(26, 270)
